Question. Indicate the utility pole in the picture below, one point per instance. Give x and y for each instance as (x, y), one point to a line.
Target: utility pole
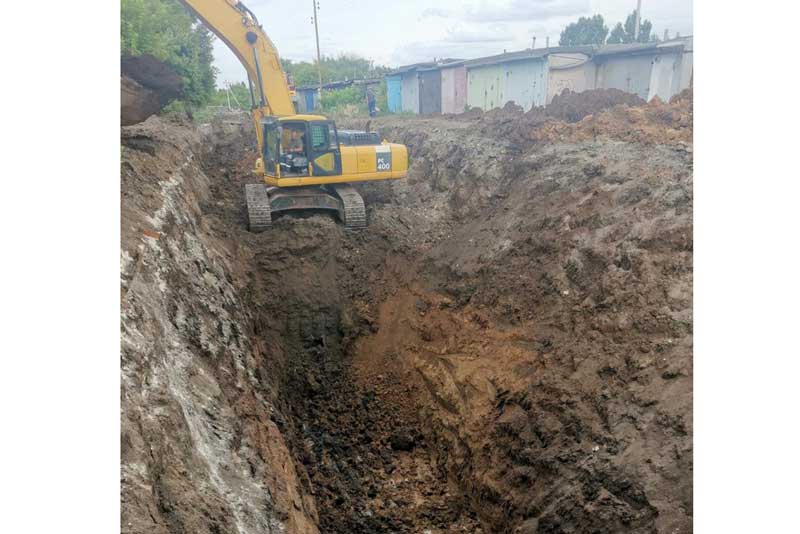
(534, 42)
(232, 94)
(547, 42)
(319, 56)
(638, 20)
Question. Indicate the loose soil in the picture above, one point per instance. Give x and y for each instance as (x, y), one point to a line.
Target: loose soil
(507, 348)
(147, 85)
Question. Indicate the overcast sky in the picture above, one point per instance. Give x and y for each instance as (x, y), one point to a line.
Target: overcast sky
(400, 32)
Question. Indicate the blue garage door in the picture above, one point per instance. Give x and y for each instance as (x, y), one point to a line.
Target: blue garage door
(394, 94)
(309, 95)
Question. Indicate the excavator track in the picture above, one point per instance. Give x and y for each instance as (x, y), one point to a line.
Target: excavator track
(341, 198)
(355, 215)
(259, 213)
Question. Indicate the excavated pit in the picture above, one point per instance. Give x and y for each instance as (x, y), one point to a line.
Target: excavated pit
(507, 348)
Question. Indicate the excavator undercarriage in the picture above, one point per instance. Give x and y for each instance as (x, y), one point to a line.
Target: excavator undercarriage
(342, 199)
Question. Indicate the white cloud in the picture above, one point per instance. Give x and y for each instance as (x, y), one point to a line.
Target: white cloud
(410, 31)
(513, 10)
(427, 51)
(465, 34)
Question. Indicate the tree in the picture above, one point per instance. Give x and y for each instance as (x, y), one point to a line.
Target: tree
(166, 30)
(587, 31)
(625, 34)
(618, 35)
(334, 69)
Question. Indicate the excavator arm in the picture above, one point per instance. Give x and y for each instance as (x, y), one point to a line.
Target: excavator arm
(237, 27)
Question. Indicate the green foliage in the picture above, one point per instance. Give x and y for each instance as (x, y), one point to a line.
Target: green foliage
(205, 115)
(166, 30)
(587, 31)
(341, 98)
(350, 100)
(617, 35)
(239, 97)
(593, 31)
(176, 108)
(381, 96)
(304, 73)
(340, 68)
(625, 34)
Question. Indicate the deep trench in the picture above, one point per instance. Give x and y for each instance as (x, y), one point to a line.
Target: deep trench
(370, 466)
(504, 391)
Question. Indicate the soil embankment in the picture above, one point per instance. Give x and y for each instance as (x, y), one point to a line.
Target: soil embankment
(507, 348)
(147, 85)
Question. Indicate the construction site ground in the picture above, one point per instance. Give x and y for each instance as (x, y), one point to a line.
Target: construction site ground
(506, 349)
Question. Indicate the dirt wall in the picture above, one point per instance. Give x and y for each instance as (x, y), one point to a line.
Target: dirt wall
(554, 348)
(201, 451)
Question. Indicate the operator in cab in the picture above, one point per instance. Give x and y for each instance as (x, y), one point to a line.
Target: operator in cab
(293, 160)
(296, 143)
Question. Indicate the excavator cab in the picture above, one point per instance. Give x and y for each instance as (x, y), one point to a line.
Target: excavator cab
(295, 148)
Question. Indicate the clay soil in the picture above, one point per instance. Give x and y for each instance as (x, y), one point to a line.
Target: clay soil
(507, 348)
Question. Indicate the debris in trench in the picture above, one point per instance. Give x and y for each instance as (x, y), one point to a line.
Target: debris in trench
(402, 440)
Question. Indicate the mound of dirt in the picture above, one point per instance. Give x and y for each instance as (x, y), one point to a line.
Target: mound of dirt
(147, 85)
(655, 123)
(136, 102)
(577, 117)
(507, 348)
(608, 112)
(570, 106)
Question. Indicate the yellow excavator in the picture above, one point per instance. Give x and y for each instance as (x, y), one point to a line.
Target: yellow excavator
(304, 161)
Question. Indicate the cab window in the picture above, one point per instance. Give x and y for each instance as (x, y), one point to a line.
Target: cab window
(323, 137)
(271, 145)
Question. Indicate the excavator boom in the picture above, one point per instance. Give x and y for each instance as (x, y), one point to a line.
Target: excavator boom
(237, 27)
